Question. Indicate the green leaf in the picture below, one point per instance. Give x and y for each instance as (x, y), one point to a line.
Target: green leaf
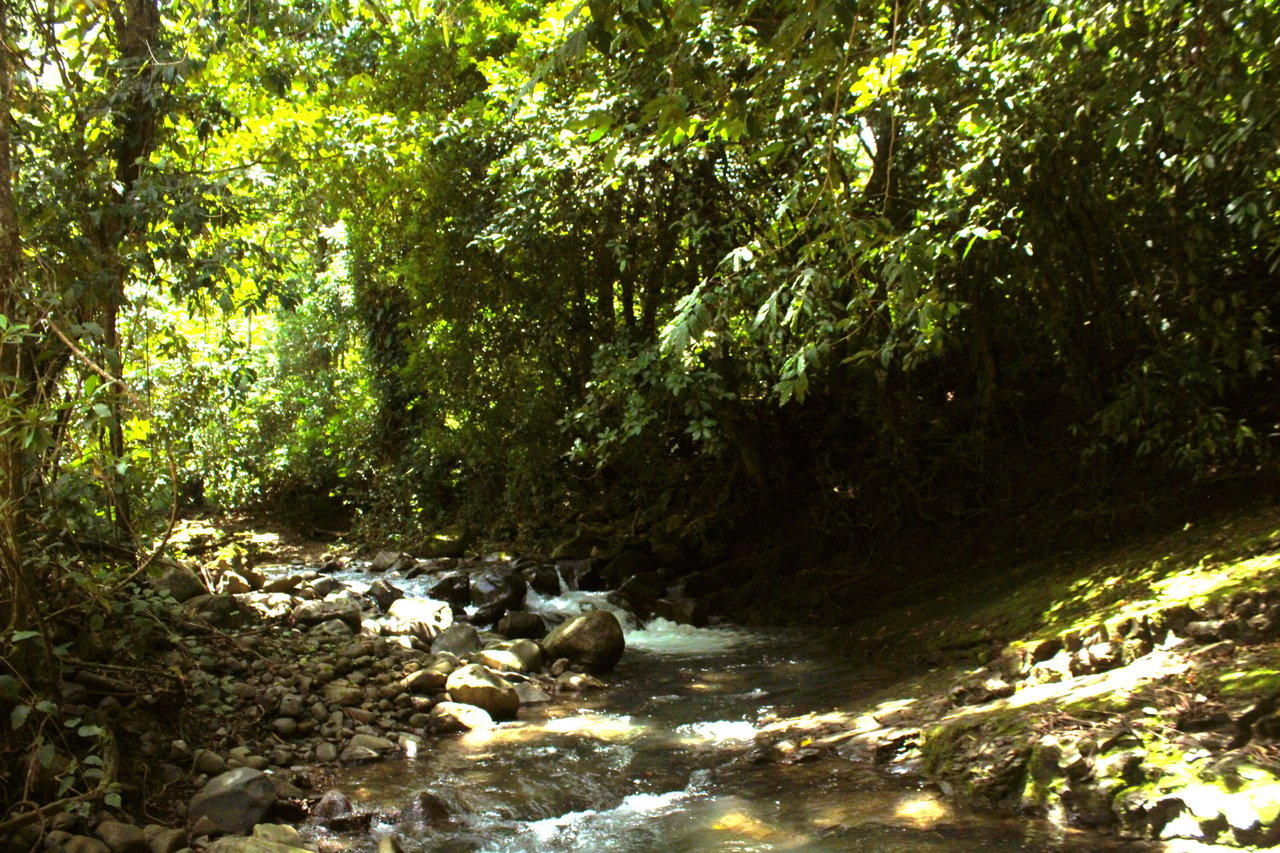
(46, 754)
(18, 716)
(112, 799)
(19, 636)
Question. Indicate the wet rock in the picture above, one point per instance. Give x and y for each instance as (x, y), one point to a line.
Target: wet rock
(389, 844)
(235, 800)
(460, 639)
(496, 592)
(424, 618)
(373, 742)
(593, 639)
(476, 685)
(454, 588)
(424, 807)
(682, 611)
(122, 837)
(522, 625)
(450, 717)
(627, 563)
(331, 805)
(384, 593)
(545, 580)
(639, 593)
(326, 752)
(1045, 649)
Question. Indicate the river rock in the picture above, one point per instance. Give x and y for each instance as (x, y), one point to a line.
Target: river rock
(454, 587)
(638, 593)
(180, 581)
(496, 592)
(385, 561)
(251, 845)
(84, 844)
(459, 717)
(460, 639)
(278, 833)
(331, 805)
(235, 800)
(475, 685)
(522, 625)
(424, 681)
(627, 563)
(545, 580)
(384, 594)
(500, 660)
(593, 640)
(167, 839)
(221, 611)
(317, 612)
(530, 695)
(424, 618)
(682, 611)
(424, 807)
(529, 652)
(288, 583)
(122, 837)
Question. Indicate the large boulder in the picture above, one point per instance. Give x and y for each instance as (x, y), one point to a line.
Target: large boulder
(180, 581)
(639, 593)
(496, 592)
(453, 587)
(475, 685)
(628, 562)
(593, 640)
(384, 594)
(544, 579)
(234, 801)
(424, 618)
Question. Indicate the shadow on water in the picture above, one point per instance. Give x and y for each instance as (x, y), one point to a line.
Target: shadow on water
(666, 760)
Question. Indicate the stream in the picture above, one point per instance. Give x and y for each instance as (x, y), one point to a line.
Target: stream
(665, 759)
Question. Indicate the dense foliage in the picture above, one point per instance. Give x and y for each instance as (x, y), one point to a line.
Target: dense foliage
(498, 262)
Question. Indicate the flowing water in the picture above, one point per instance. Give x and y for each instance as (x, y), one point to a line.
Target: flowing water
(665, 760)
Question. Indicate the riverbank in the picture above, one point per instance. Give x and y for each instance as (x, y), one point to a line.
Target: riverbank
(1127, 689)
(1131, 689)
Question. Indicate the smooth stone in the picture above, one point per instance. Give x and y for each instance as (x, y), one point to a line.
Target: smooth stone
(235, 800)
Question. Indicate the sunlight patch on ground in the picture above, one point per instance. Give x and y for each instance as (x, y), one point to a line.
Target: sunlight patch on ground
(1122, 681)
